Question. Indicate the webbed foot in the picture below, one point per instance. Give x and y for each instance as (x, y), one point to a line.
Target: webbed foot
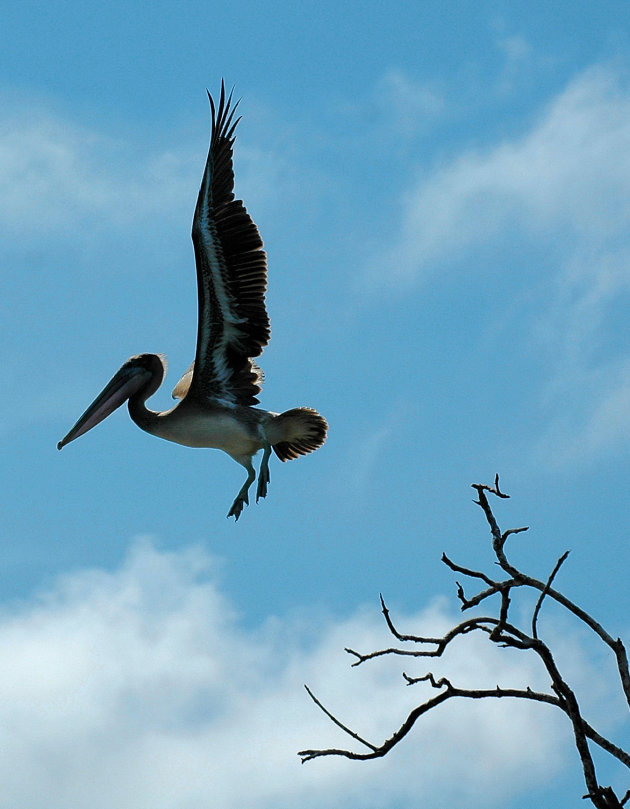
(237, 505)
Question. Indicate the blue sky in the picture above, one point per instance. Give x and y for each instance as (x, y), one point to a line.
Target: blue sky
(444, 195)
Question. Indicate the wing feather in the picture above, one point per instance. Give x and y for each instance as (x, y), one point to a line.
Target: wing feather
(233, 324)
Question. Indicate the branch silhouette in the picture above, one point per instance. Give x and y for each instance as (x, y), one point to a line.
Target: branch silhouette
(502, 631)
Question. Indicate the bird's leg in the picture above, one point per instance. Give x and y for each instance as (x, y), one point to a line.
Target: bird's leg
(263, 473)
(241, 498)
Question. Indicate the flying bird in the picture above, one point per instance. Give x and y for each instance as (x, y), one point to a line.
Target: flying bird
(217, 393)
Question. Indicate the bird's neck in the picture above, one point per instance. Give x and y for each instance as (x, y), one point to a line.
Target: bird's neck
(145, 419)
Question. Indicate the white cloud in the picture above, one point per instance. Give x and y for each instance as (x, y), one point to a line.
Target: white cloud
(523, 64)
(59, 178)
(407, 105)
(563, 188)
(571, 172)
(139, 688)
(600, 425)
(515, 47)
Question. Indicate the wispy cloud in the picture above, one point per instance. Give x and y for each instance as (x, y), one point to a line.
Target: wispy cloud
(57, 177)
(60, 178)
(569, 174)
(407, 105)
(523, 63)
(562, 188)
(139, 688)
(590, 416)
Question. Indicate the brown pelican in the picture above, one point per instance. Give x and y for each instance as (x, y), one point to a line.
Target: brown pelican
(218, 390)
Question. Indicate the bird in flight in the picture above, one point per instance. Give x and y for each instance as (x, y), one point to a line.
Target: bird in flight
(217, 393)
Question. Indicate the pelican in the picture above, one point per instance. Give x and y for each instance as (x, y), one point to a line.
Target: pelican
(217, 393)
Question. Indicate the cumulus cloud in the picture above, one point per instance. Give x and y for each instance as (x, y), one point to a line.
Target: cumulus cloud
(141, 688)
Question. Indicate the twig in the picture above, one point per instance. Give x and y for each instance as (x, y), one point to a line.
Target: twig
(544, 592)
(440, 644)
(337, 722)
(396, 633)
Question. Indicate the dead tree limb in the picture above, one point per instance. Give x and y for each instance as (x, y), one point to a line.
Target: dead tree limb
(504, 633)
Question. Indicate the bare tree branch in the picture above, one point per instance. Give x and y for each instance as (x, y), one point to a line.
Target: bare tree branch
(527, 581)
(504, 633)
(336, 721)
(545, 591)
(396, 633)
(440, 643)
(449, 693)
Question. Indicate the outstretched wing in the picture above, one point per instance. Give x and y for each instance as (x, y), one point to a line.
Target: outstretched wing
(233, 324)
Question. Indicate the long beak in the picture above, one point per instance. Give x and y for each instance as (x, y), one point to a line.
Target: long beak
(128, 380)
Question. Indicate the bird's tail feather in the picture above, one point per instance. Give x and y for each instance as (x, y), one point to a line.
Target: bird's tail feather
(297, 432)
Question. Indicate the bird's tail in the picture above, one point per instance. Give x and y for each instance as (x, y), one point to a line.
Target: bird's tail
(296, 432)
